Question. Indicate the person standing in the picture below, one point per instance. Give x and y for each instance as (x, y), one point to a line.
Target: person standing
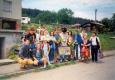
(46, 49)
(77, 45)
(70, 44)
(52, 47)
(95, 46)
(85, 52)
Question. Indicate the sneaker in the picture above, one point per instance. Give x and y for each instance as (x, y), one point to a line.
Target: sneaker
(44, 66)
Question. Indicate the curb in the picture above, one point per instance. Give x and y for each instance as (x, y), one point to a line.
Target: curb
(7, 63)
(38, 69)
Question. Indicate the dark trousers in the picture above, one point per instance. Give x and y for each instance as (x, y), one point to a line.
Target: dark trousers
(76, 51)
(94, 53)
(51, 54)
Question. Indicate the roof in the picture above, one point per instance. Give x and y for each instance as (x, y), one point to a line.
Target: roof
(88, 24)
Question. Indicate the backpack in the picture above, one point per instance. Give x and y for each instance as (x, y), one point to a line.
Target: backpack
(98, 46)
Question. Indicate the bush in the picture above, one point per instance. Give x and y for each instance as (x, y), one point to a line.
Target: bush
(13, 53)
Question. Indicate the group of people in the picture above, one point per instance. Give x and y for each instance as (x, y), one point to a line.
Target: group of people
(39, 47)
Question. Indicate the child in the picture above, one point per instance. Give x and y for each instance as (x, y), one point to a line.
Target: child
(46, 49)
(39, 57)
(85, 48)
(95, 46)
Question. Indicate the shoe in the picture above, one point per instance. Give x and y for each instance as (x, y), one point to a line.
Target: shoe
(44, 66)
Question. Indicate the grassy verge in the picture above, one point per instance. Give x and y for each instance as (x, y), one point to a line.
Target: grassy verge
(106, 42)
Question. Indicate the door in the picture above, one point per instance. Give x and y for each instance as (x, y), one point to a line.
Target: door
(1, 47)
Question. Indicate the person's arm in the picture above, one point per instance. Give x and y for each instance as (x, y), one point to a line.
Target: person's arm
(48, 48)
(99, 42)
(88, 43)
(21, 52)
(90, 38)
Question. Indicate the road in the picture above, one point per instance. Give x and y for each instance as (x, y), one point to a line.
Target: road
(105, 70)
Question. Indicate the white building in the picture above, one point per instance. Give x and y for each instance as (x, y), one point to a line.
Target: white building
(25, 20)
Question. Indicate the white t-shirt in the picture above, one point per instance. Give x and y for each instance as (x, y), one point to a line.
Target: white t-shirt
(52, 38)
(37, 37)
(93, 40)
(64, 39)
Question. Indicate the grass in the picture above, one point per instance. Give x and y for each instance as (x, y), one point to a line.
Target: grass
(106, 42)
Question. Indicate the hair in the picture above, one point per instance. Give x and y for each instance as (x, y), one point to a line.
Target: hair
(23, 38)
(71, 33)
(28, 29)
(94, 32)
(32, 29)
(64, 30)
(51, 32)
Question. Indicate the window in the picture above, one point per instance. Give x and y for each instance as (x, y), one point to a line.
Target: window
(7, 6)
(23, 18)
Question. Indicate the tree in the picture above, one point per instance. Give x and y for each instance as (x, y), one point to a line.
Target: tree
(65, 16)
(113, 23)
(30, 12)
(107, 24)
(46, 17)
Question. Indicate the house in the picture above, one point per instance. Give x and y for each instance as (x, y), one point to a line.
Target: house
(10, 14)
(92, 26)
(25, 20)
(10, 19)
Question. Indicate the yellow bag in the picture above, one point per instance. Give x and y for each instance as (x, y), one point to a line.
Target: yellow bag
(20, 61)
(25, 61)
(30, 61)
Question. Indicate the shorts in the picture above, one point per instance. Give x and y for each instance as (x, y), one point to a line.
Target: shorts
(40, 61)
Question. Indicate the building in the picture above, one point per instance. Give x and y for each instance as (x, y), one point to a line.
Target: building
(92, 26)
(10, 19)
(10, 14)
(25, 20)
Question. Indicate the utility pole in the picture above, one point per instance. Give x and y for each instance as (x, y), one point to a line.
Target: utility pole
(95, 15)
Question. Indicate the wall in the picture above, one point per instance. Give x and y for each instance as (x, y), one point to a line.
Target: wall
(15, 10)
(12, 37)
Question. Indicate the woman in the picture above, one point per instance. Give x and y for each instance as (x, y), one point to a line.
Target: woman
(39, 56)
(70, 43)
(95, 46)
(52, 47)
(70, 39)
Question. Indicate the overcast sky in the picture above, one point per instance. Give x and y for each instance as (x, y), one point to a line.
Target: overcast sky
(81, 8)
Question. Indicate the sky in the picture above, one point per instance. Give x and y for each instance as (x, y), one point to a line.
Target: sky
(81, 8)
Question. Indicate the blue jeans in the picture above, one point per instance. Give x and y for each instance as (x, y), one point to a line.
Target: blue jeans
(51, 54)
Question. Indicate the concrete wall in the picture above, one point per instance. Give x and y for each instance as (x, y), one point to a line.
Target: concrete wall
(15, 10)
(11, 38)
(0, 7)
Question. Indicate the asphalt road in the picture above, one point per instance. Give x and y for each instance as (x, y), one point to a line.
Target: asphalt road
(105, 70)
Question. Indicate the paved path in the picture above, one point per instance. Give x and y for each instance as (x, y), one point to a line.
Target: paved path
(6, 61)
(9, 68)
(105, 70)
